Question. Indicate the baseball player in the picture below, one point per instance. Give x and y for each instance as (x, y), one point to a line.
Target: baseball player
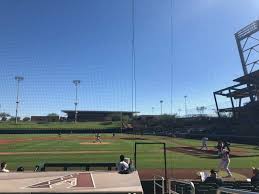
(226, 145)
(98, 138)
(204, 143)
(220, 147)
(225, 161)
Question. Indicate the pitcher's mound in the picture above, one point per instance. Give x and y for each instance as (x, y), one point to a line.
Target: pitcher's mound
(94, 143)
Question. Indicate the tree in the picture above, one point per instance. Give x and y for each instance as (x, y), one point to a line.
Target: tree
(4, 119)
(53, 115)
(25, 119)
(201, 109)
(4, 116)
(13, 119)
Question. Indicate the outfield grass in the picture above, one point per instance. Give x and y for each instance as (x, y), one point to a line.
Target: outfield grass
(149, 156)
(60, 125)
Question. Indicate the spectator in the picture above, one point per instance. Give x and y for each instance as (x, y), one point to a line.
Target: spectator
(213, 178)
(123, 167)
(20, 169)
(4, 167)
(255, 178)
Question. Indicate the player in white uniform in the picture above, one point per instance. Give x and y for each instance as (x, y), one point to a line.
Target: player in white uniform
(98, 138)
(225, 161)
(204, 144)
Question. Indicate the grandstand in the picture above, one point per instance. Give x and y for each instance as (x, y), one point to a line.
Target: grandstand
(98, 115)
(245, 92)
(246, 89)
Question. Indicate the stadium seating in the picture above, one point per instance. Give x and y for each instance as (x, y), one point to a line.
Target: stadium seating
(211, 188)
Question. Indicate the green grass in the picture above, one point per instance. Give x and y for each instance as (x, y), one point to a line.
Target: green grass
(60, 125)
(148, 156)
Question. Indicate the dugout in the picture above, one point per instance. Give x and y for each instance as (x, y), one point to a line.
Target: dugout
(71, 182)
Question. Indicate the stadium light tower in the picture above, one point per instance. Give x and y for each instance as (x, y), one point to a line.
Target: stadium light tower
(161, 106)
(18, 79)
(76, 82)
(153, 110)
(185, 105)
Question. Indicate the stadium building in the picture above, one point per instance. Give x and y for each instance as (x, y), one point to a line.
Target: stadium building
(84, 116)
(245, 91)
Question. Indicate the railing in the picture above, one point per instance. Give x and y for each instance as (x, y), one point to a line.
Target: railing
(156, 184)
(233, 191)
(192, 191)
(87, 166)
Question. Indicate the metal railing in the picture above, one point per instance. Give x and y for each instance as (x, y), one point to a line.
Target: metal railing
(170, 191)
(233, 191)
(156, 184)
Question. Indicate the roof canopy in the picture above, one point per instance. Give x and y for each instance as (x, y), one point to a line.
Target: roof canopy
(251, 78)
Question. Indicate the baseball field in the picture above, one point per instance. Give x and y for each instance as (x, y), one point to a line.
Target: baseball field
(184, 159)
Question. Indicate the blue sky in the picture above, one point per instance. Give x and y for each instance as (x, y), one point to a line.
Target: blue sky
(52, 42)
